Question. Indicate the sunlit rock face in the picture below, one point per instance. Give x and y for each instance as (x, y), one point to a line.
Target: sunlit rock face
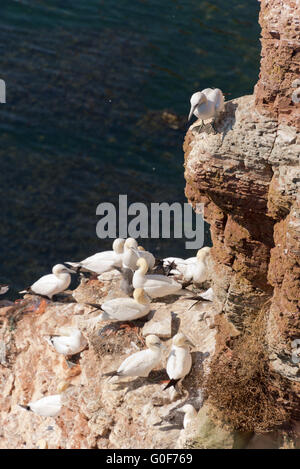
(248, 176)
(278, 88)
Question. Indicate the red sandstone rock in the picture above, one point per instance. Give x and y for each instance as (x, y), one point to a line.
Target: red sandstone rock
(280, 63)
(248, 177)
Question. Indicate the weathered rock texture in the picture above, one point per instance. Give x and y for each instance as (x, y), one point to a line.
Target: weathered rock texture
(248, 177)
(278, 88)
(97, 412)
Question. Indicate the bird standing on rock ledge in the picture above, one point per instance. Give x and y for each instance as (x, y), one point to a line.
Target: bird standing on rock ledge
(207, 104)
(141, 363)
(179, 362)
(52, 284)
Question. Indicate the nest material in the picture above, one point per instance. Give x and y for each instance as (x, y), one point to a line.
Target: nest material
(241, 385)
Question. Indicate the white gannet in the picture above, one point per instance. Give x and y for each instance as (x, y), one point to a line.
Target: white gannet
(70, 344)
(180, 360)
(125, 309)
(3, 289)
(132, 252)
(103, 261)
(141, 363)
(155, 285)
(207, 104)
(52, 284)
(49, 406)
(190, 414)
(194, 269)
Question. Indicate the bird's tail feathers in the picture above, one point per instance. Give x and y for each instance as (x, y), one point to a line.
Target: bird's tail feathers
(112, 373)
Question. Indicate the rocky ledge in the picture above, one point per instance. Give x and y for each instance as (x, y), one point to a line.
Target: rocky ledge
(97, 412)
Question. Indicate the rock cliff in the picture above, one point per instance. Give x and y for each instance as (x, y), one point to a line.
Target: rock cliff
(248, 177)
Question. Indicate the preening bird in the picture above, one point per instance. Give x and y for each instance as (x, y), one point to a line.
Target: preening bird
(154, 285)
(125, 309)
(103, 261)
(52, 284)
(132, 252)
(207, 104)
(70, 344)
(49, 406)
(180, 360)
(141, 363)
(190, 414)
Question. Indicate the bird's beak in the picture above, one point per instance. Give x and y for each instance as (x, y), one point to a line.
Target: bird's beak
(191, 112)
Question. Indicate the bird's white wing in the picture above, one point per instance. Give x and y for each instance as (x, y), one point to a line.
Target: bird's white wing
(112, 305)
(171, 364)
(136, 364)
(105, 255)
(179, 363)
(159, 279)
(160, 286)
(45, 285)
(207, 92)
(99, 266)
(199, 272)
(121, 310)
(217, 97)
(62, 344)
(48, 406)
(190, 260)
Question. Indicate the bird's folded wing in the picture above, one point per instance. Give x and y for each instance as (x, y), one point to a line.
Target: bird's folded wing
(45, 285)
(135, 363)
(123, 312)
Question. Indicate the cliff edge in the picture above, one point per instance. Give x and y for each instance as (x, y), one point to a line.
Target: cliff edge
(248, 177)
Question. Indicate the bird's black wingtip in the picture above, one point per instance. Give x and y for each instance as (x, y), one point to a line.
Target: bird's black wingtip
(172, 382)
(26, 407)
(111, 373)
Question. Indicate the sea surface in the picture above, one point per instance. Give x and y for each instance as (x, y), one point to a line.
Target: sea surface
(97, 102)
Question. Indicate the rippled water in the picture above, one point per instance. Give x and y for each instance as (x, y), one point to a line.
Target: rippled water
(88, 82)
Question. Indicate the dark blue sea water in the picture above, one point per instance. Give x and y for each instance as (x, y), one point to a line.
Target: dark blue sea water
(88, 82)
